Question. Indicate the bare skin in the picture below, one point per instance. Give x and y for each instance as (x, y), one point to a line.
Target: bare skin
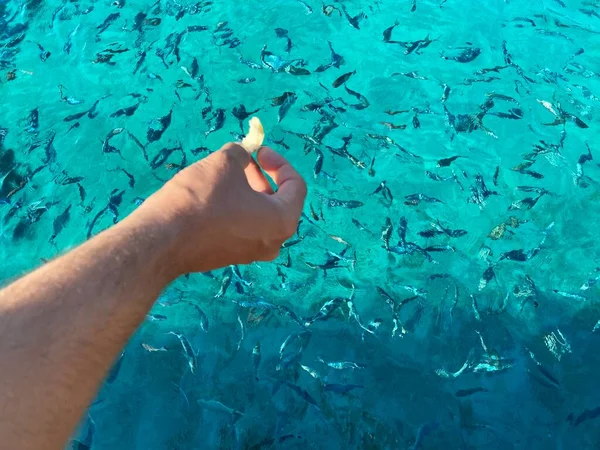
(62, 325)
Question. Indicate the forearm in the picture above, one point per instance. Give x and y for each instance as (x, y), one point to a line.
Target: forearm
(62, 326)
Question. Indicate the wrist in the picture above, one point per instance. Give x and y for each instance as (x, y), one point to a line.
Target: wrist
(155, 235)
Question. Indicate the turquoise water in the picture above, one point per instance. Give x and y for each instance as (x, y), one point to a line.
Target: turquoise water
(484, 346)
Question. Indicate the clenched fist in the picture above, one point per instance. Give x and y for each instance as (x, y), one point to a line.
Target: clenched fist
(222, 210)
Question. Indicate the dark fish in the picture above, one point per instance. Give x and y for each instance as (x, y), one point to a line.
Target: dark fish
(415, 199)
(138, 21)
(354, 21)
(342, 79)
(416, 122)
(326, 310)
(256, 359)
(342, 388)
(515, 255)
(82, 193)
(293, 70)
(140, 61)
(194, 28)
(246, 80)
(336, 60)
(447, 161)
(139, 144)
(194, 68)
(466, 56)
(277, 101)
(219, 121)
(496, 173)
(496, 69)
(387, 33)
(49, 150)
(76, 116)
(129, 111)
(318, 163)
(131, 178)
(162, 156)
(285, 106)
(154, 134)
(109, 19)
(92, 113)
(364, 103)
(68, 44)
(240, 113)
(301, 393)
(44, 54)
(60, 222)
(33, 121)
(588, 414)
(526, 203)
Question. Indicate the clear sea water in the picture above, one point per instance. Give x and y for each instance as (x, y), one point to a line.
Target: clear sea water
(525, 340)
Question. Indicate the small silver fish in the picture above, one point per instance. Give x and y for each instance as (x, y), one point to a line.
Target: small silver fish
(340, 365)
(216, 406)
(151, 349)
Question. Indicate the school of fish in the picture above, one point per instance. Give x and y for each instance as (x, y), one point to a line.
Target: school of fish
(442, 288)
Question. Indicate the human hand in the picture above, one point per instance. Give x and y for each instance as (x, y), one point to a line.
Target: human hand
(222, 210)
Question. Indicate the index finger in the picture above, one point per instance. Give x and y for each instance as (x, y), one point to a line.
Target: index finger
(291, 188)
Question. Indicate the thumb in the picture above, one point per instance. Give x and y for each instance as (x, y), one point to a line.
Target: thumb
(235, 154)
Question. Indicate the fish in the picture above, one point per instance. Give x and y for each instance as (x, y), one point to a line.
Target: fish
(285, 106)
(387, 33)
(447, 161)
(303, 394)
(60, 222)
(293, 70)
(156, 317)
(336, 60)
(203, 318)
(569, 295)
(158, 127)
(256, 359)
(468, 392)
(341, 388)
(342, 79)
(151, 349)
(219, 121)
(225, 282)
(318, 163)
(129, 111)
(292, 348)
(187, 350)
(107, 22)
(423, 431)
(325, 312)
(218, 407)
(354, 21)
(386, 233)
(307, 8)
(416, 122)
(466, 56)
(341, 365)
(350, 204)
(587, 414)
(515, 255)
(415, 199)
(364, 102)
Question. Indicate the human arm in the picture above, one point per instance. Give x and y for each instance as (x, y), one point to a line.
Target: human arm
(62, 325)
